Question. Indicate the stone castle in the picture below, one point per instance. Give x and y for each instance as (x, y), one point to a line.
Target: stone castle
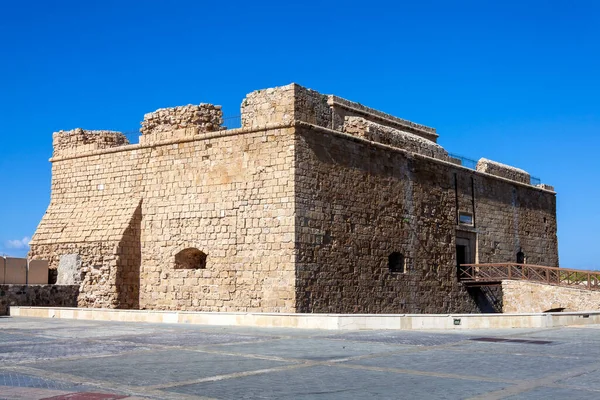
(316, 204)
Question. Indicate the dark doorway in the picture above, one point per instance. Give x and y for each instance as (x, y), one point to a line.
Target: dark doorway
(461, 258)
(466, 245)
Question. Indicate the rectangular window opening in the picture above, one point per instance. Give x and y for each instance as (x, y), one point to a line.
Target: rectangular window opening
(465, 218)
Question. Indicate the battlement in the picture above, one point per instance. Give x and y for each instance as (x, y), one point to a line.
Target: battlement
(180, 122)
(293, 102)
(79, 140)
(283, 106)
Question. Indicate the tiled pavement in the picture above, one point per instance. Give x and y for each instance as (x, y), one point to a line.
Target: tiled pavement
(93, 360)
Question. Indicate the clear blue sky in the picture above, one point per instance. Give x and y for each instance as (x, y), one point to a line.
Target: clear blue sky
(514, 81)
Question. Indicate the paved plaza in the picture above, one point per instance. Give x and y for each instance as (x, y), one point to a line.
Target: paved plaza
(67, 359)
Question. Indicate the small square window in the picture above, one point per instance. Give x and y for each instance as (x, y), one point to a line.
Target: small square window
(465, 218)
(396, 263)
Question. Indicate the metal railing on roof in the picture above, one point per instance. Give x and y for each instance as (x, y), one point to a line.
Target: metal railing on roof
(472, 164)
(230, 122)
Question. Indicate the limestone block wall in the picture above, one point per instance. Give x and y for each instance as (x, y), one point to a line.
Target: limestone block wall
(283, 105)
(127, 212)
(356, 204)
(79, 140)
(526, 297)
(232, 198)
(269, 106)
(372, 131)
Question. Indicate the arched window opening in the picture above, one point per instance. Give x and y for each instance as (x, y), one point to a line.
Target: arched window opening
(396, 262)
(520, 257)
(190, 258)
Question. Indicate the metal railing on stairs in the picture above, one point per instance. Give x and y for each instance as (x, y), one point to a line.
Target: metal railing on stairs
(482, 274)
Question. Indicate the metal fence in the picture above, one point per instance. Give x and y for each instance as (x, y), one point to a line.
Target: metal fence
(464, 161)
(472, 164)
(230, 122)
(235, 121)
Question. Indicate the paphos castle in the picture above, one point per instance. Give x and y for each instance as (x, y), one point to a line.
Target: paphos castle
(315, 204)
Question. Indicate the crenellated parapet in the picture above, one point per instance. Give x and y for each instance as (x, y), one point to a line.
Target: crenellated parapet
(285, 104)
(77, 141)
(180, 122)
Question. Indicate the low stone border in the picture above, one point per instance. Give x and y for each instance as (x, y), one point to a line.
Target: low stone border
(320, 321)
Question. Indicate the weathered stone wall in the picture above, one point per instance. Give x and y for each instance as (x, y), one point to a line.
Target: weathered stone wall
(510, 218)
(37, 296)
(283, 105)
(269, 106)
(79, 140)
(503, 170)
(286, 215)
(526, 297)
(129, 212)
(293, 102)
(342, 109)
(357, 203)
(358, 126)
(182, 122)
(232, 198)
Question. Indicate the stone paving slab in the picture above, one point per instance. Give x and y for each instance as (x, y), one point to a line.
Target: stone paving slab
(63, 349)
(190, 338)
(314, 349)
(158, 367)
(401, 337)
(476, 364)
(545, 393)
(66, 359)
(325, 382)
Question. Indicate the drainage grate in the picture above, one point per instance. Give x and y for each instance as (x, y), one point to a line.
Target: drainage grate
(502, 340)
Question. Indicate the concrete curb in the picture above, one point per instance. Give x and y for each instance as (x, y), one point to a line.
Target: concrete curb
(320, 321)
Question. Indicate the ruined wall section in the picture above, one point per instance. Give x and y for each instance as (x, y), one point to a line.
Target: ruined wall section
(357, 203)
(231, 198)
(360, 127)
(284, 105)
(181, 122)
(342, 109)
(77, 141)
(503, 170)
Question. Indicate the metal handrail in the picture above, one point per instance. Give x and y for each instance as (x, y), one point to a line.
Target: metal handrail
(494, 272)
